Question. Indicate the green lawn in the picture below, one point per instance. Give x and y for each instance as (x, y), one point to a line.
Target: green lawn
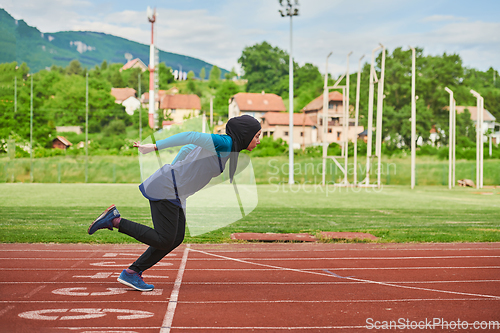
(62, 212)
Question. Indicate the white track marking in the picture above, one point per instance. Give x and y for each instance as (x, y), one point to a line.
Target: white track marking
(350, 278)
(6, 309)
(169, 316)
(34, 291)
(349, 301)
(111, 263)
(88, 313)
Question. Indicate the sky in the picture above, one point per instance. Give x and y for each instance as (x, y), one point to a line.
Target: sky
(217, 31)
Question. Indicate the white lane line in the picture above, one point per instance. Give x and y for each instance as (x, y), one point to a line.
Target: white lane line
(34, 291)
(268, 269)
(351, 278)
(268, 328)
(172, 304)
(80, 301)
(349, 301)
(270, 258)
(268, 283)
(6, 309)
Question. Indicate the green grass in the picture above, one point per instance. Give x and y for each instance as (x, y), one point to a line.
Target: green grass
(62, 212)
(268, 170)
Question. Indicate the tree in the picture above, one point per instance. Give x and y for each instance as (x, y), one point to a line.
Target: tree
(74, 68)
(202, 73)
(265, 66)
(166, 75)
(214, 77)
(231, 74)
(221, 101)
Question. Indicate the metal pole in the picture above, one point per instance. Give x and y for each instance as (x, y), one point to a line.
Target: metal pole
(31, 131)
(450, 144)
(356, 117)
(15, 93)
(380, 109)
(479, 138)
(454, 146)
(413, 118)
(481, 142)
(212, 112)
(325, 121)
(346, 122)
(87, 128)
(370, 116)
(140, 109)
(290, 111)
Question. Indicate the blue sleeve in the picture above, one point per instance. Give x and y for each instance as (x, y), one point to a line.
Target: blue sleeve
(203, 140)
(221, 143)
(183, 153)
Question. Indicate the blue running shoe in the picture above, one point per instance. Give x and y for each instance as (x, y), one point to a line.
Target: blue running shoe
(135, 281)
(105, 220)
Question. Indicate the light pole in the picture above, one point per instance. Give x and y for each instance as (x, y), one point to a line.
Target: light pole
(356, 117)
(451, 155)
(479, 139)
(325, 120)
(413, 118)
(290, 9)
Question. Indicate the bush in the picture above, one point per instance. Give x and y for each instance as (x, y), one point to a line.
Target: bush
(270, 147)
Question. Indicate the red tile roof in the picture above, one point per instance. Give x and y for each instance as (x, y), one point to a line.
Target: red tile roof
(259, 102)
(317, 103)
(487, 116)
(189, 102)
(282, 118)
(122, 94)
(63, 140)
(131, 64)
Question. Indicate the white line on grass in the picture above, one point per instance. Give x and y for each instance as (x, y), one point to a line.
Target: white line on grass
(351, 278)
(169, 316)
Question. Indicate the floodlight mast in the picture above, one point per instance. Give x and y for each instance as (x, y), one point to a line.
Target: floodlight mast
(451, 164)
(380, 110)
(152, 19)
(413, 117)
(325, 119)
(479, 139)
(346, 122)
(373, 80)
(289, 9)
(356, 116)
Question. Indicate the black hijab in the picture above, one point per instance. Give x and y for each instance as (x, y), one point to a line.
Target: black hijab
(242, 130)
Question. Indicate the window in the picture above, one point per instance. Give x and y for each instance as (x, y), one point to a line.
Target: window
(338, 136)
(301, 133)
(329, 130)
(286, 133)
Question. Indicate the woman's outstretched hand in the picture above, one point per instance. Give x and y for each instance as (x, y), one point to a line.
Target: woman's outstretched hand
(145, 149)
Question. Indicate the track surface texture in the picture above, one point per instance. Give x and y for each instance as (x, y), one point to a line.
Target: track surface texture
(253, 288)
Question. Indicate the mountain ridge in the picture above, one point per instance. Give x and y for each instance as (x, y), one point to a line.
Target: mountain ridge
(21, 42)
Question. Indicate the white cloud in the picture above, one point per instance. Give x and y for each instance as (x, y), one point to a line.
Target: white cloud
(217, 33)
(443, 18)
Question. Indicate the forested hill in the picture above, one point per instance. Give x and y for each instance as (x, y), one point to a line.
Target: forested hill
(23, 43)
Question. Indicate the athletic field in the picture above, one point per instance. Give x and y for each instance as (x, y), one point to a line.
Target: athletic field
(62, 212)
(434, 267)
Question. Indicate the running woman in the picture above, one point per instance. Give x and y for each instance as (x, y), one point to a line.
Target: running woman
(202, 157)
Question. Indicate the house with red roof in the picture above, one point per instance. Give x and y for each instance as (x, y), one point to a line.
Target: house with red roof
(335, 116)
(277, 125)
(134, 63)
(179, 107)
(255, 104)
(126, 97)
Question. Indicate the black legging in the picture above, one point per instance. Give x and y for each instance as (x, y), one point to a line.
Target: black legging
(169, 226)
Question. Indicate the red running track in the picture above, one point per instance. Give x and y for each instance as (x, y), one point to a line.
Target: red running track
(253, 288)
